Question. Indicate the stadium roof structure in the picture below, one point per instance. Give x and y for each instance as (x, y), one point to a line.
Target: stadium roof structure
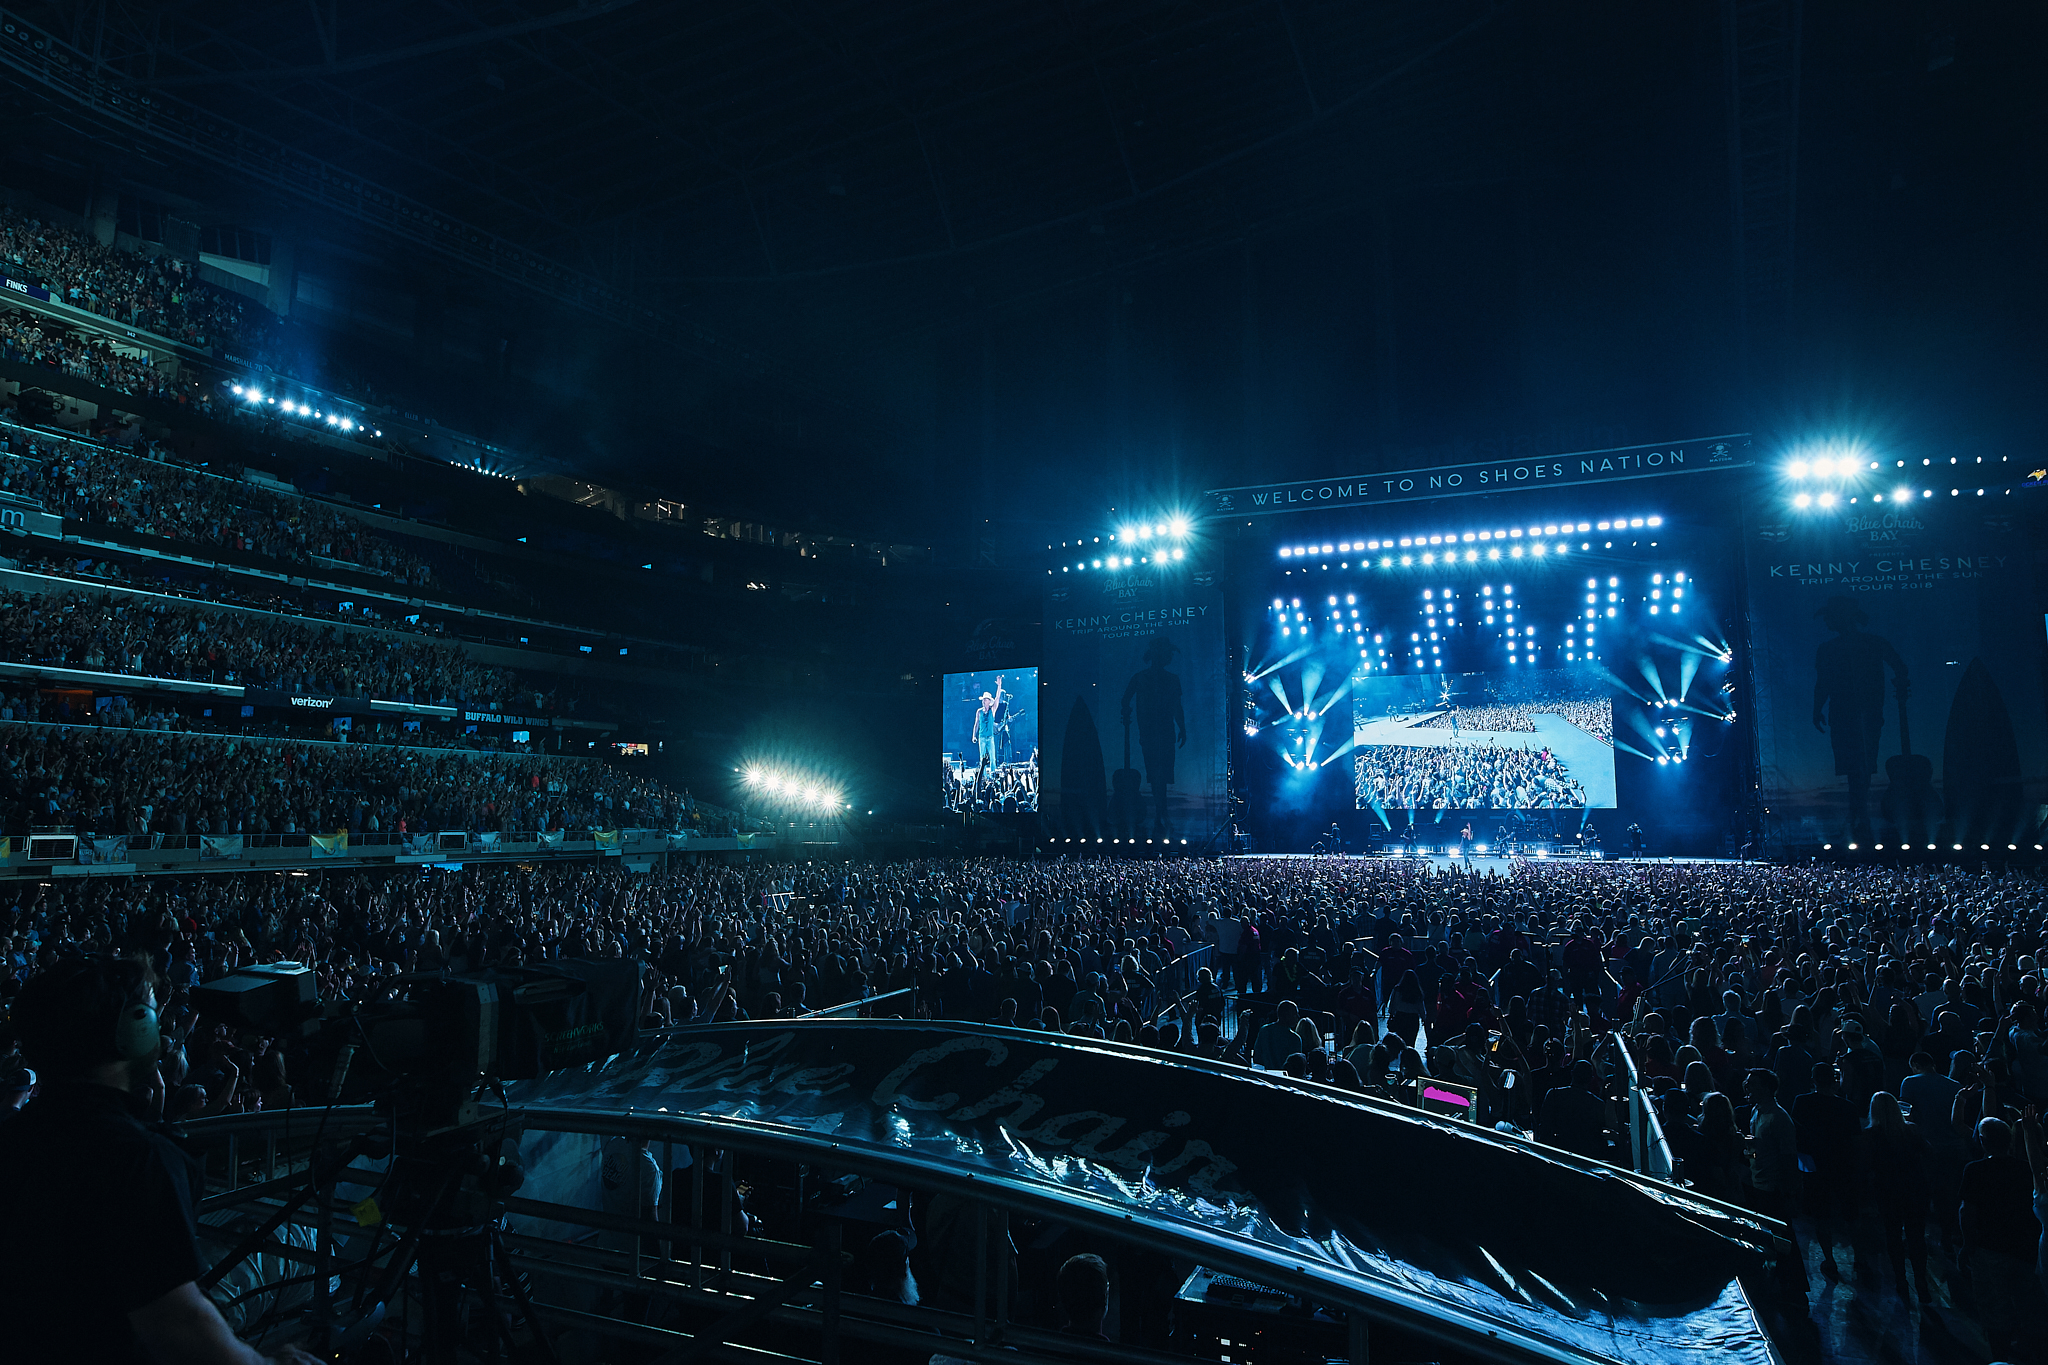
(645, 160)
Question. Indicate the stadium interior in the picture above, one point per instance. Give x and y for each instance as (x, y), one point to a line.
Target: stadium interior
(1477, 572)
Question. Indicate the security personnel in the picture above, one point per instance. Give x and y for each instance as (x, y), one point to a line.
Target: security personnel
(98, 1260)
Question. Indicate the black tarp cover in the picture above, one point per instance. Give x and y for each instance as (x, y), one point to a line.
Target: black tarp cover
(1600, 1263)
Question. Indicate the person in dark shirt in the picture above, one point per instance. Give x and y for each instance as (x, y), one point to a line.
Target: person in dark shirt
(1826, 1124)
(2001, 1238)
(1574, 1116)
(98, 1262)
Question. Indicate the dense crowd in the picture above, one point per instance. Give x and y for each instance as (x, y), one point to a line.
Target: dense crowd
(96, 485)
(1007, 787)
(27, 339)
(1595, 717)
(1858, 1050)
(159, 294)
(1465, 777)
(1463, 718)
(149, 781)
(114, 634)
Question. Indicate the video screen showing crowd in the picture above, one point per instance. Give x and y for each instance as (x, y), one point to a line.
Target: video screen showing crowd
(989, 741)
(1539, 739)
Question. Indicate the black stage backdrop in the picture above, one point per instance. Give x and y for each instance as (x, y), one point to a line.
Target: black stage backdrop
(1144, 645)
(1843, 602)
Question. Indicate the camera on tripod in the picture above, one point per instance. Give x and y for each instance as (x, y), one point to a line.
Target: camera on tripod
(427, 1047)
(432, 1040)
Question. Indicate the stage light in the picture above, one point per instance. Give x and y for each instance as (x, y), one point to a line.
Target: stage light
(1160, 529)
(1127, 561)
(1826, 500)
(1144, 533)
(1797, 469)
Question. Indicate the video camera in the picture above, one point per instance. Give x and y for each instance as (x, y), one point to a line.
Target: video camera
(432, 1041)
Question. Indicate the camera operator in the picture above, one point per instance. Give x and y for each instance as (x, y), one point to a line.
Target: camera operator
(98, 1260)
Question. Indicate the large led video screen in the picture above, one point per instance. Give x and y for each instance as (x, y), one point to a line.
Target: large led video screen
(988, 737)
(1524, 739)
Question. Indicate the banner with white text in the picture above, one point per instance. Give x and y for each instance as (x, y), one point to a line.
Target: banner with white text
(1898, 661)
(1131, 702)
(1579, 469)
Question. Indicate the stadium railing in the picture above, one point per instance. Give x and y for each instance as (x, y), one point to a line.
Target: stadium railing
(1649, 1152)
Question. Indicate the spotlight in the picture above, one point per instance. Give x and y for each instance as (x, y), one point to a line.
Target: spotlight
(1797, 469)
(1179, 527)
(1826, 500)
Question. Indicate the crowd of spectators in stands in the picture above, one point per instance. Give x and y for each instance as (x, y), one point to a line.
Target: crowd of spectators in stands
(159, 294)
(141, 783)
(1465, 777)
(95, 485)
(115, 634)
(28, 339)
(1858, 1049)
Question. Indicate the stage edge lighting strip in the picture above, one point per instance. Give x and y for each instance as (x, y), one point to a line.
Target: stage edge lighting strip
(1450, 541)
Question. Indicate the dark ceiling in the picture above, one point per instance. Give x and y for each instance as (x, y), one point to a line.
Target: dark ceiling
(1095, 244)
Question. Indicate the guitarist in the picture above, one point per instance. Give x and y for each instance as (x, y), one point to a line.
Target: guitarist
(1848, 699)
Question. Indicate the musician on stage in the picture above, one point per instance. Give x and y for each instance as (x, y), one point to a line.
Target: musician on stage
(990, 714)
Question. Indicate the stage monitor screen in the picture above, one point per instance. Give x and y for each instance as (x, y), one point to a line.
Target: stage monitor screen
(988, 735)
(1521, 739)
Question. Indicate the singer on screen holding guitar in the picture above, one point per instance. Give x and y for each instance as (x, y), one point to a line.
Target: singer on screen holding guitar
(1848, 699)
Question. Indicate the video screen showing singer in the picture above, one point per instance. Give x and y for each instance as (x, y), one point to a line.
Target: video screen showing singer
(989, 741)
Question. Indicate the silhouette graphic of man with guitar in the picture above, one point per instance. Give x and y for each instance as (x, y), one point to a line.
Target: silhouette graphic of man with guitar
(1153, 699)
(1848, 707)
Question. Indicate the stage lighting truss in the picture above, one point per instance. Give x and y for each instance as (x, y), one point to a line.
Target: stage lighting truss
(1159, 543)
(1828, 480)
(793, 788)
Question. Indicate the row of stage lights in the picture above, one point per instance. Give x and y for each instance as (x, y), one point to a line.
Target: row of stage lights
(1958, 848)
(1844, 471)
(1486, 603)
(1133, 842)
(795, 789)
(1453, 540)
(1146, 542)
(252, 394)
